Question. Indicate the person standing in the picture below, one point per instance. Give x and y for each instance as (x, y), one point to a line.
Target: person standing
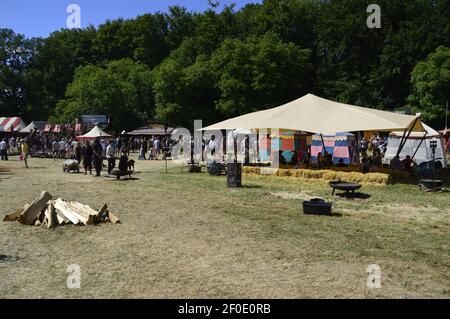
(77, 152)
(86, 153)
(62, 149)
(157, 146)
(55, 149)
(12, 145)
(69, 150)
(150, 147)
(97, 157)
(4, 150)
(25, 152)
(110, 152)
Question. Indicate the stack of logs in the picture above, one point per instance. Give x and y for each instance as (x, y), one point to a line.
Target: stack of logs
(46, 212)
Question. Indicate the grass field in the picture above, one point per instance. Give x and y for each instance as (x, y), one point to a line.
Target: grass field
(189, 236)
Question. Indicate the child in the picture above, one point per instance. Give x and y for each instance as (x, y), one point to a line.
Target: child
(123, 163)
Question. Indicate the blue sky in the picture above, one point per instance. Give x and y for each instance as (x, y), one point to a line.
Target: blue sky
(41, 17)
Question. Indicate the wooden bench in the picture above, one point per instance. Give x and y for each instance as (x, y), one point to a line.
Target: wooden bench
(118, 173)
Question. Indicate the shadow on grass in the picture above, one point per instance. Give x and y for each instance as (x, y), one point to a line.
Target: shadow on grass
(354, 196)
(251, 186)
(122, 179)
(5, 258)
(128, 179)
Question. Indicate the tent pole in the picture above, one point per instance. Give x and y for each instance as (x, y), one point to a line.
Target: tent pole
(420, 144)
(400, 148)
(323, 144)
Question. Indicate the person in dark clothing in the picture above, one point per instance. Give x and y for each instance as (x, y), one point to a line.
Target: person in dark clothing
(320, 160)
(77, 153)
(328, 159)
(366, 163)
(97, 157)
(86, 153)
(341, 163)
(123, 162)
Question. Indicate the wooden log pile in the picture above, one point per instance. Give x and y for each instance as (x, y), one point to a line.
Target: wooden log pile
(47, 212)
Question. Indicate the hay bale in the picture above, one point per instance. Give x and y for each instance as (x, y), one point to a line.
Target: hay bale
(347, 174)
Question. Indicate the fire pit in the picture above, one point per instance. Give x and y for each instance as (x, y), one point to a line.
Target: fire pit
(350, 188)
(317, 206)
(430, 185)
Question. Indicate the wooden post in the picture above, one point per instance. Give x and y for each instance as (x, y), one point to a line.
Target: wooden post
(420, 144)
(400, 148)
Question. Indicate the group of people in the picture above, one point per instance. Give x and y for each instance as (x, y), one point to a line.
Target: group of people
(150, 148)
(16, 146)
(91, 156)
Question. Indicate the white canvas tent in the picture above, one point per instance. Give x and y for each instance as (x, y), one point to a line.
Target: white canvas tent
(96, 132)
(413, 143)
(35, 125)
(317, 115)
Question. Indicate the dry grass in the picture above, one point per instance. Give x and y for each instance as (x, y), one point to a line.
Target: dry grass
(190, 236)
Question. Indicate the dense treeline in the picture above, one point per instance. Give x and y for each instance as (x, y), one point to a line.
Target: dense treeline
(180, 66)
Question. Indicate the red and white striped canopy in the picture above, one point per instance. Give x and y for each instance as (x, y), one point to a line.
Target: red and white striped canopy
(47, 128)
(11, 124)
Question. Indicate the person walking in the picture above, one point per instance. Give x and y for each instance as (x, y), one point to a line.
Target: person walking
(25, 152)
(97, 157)
(110, 156)
(4, 150)
(86, 153)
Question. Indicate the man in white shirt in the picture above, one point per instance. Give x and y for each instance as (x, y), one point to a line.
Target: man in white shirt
(110, 151)
(3, 150)
(212, 145)
(55, 149)
(62, 149)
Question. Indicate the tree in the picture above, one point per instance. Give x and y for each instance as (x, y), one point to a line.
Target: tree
(15, 55)
(184, 88)
(52, 68)
(122, 91)
(260, 72)
(430, 82)
(221, 63)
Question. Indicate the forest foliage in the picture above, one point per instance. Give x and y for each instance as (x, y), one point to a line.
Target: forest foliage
(179, 66)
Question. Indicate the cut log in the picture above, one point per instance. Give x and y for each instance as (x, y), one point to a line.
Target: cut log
(84, 209)
(13, 217)
(62, 210)
(101, 212)
(29, 215)
(84, 214)
(50, 216)
(113, 218)
(62, 219)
